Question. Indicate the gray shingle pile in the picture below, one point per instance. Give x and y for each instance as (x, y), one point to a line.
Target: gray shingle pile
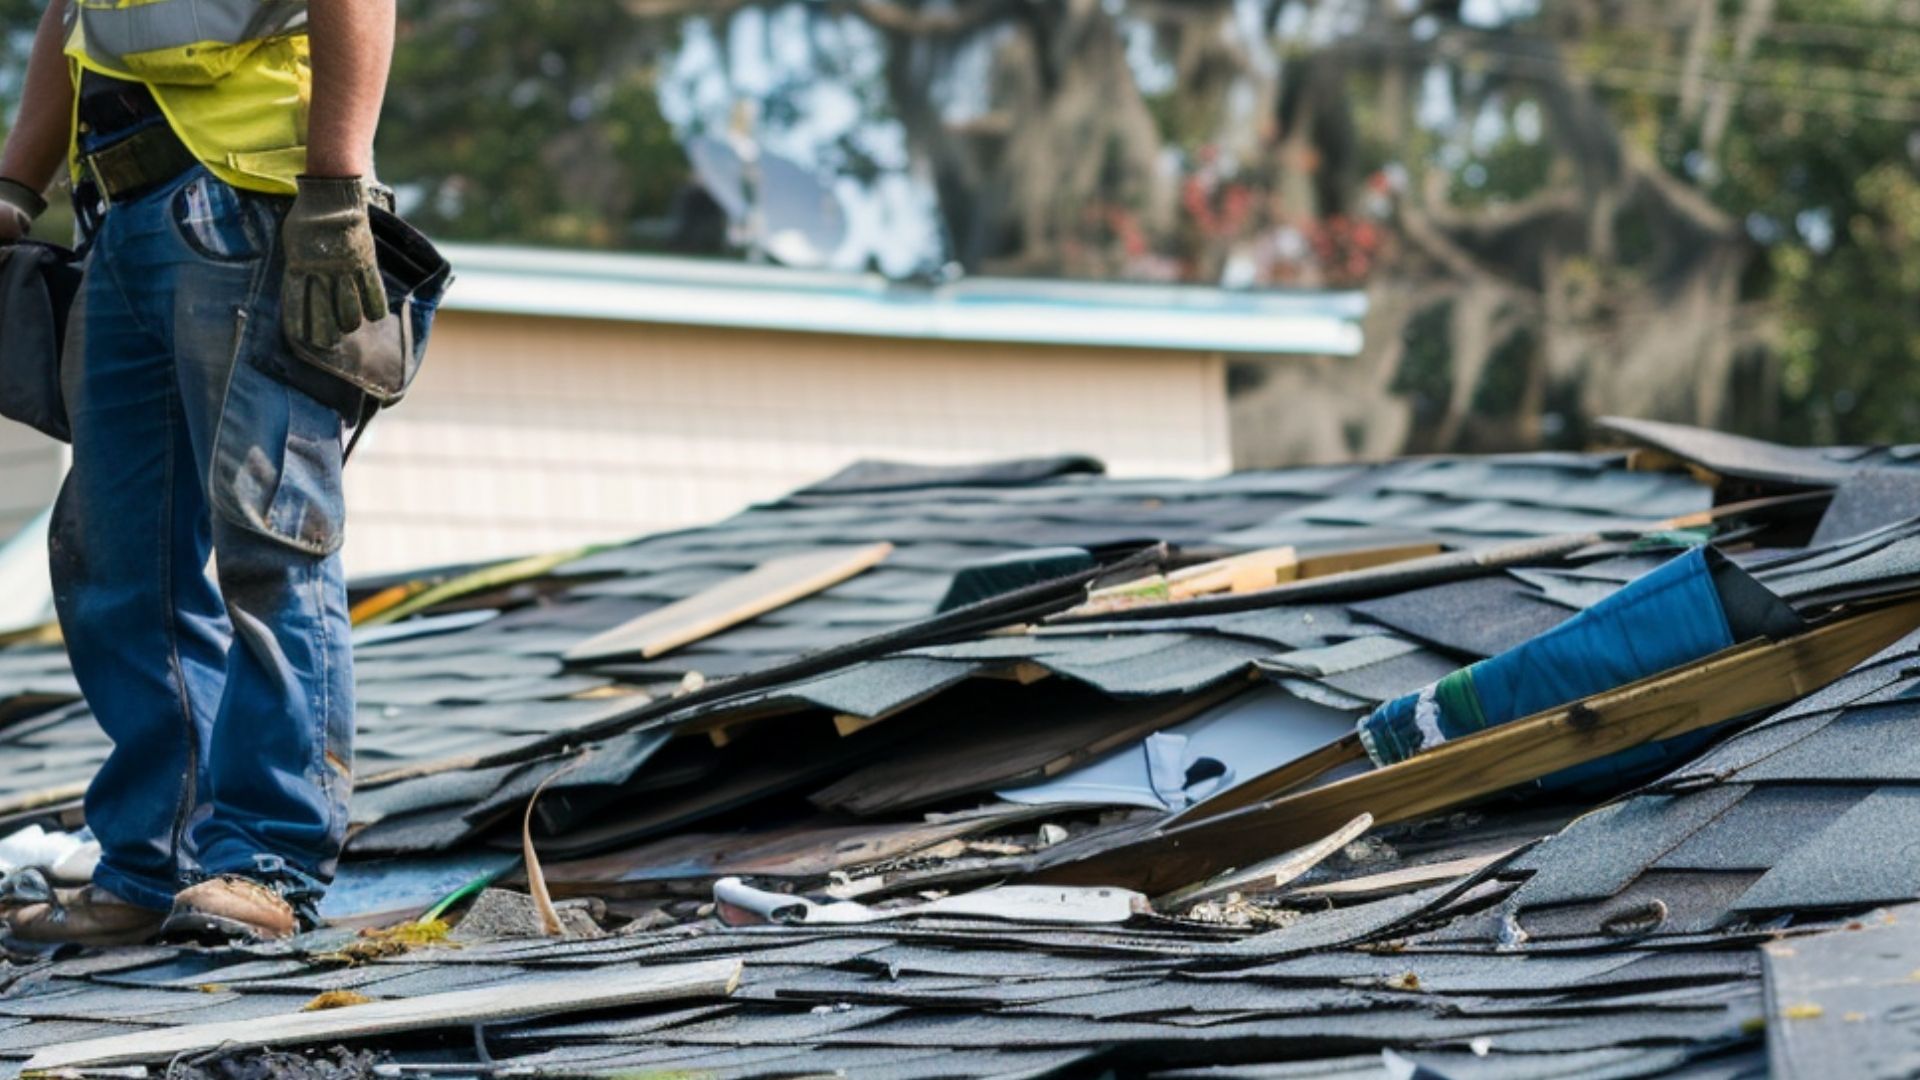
(858, 742)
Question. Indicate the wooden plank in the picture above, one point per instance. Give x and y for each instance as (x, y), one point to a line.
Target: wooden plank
(1392, 882)
(605, 988)
(1269, 876)
(41, 800)
(1276, 782)
(1249, 572)
(1024, 673)
(768, 587)
(1342, 562)
(1418, 571)
(849, 724)
(385, 600)
(1243, 574)
(1741, 680)
(391, 606)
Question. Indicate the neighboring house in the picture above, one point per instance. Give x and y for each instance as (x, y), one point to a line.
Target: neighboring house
(30, 469)
(572, 398)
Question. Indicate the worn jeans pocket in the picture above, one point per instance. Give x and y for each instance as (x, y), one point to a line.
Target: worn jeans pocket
(277, 456)
(214, 223)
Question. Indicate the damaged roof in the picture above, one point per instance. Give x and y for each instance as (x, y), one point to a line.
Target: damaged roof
(966, 712)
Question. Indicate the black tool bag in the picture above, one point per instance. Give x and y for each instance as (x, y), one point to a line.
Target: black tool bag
(372, 368)
(38, 282)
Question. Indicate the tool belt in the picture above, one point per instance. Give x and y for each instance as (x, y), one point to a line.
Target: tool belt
(373, 367)
(38, 282)
(144, 159)
(137, 164)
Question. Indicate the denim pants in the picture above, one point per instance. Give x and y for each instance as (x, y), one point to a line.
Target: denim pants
(227, 692)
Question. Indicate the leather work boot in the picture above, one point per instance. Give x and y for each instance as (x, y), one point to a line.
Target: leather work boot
(231, 907)
(85, 916)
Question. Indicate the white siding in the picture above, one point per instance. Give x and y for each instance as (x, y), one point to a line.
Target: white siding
(30, 469)
(528, 434)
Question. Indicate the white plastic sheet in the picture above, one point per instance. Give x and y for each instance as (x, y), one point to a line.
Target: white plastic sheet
(67, 858)
(1015, 903)
(1229, 744)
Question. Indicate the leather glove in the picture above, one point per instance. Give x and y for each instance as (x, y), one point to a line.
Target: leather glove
(332, 282)
(19, 205)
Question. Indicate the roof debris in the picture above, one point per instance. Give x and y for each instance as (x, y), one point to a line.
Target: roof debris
(878, 778)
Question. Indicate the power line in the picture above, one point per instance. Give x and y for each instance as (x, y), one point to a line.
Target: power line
(1655, 80)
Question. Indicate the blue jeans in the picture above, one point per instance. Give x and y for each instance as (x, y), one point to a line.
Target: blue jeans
(228, 695)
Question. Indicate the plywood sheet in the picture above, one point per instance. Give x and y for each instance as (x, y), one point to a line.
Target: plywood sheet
(767, 587)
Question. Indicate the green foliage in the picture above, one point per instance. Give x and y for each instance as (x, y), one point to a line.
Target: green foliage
(531, 121)
(1503, 385)
(542, 122)
(18, 18)
(1851, 324)
(1820, 160)
(1425, 376)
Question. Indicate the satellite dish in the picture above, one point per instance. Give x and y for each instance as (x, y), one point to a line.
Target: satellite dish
(802, 220)
(721, 172)
(782, 208)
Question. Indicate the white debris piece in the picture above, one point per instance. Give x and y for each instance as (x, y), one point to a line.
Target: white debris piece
(67, 858)
(742, 904)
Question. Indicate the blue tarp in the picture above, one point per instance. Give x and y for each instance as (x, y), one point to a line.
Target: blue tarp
(1667, 618)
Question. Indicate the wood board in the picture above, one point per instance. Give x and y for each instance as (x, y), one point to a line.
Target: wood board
(768, 587)
(602, 989)
(1394, 882)
(1270, 876)
(1243, 574)
(1741, 680)
(403, 601)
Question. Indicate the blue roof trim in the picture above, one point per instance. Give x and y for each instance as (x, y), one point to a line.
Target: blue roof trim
(695, 292)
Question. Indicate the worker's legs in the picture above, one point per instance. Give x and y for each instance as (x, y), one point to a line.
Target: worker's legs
(278, 757)
(232, 721)
(145, 628)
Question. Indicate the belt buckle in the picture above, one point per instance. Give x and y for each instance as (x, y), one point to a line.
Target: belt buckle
(106, 193)
(99, 183)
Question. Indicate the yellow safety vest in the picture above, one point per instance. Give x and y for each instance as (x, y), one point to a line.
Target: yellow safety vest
(232, 76)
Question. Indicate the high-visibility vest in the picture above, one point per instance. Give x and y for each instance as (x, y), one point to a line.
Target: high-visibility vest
(232, 76)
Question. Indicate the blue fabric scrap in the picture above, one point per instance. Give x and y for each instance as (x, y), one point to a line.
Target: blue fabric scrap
(1666, 618)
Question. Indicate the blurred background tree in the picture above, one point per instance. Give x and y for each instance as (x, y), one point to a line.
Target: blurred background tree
(1704, 210)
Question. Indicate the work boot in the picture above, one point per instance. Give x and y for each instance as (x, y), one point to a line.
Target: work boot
(234, 907)
(89, 915)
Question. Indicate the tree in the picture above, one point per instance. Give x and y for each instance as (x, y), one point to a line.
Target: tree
(1698, 209)
(533, 121)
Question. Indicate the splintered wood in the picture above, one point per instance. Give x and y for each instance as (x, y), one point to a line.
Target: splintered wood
(1251, 572)
(1733, 683)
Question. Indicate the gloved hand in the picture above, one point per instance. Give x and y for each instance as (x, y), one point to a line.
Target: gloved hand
(332, 282)
(19, 205)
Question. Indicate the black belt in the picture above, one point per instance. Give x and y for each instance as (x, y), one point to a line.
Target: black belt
(138, 163)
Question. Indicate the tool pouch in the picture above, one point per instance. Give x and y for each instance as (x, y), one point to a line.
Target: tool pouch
(372, 368)
(38, 283)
